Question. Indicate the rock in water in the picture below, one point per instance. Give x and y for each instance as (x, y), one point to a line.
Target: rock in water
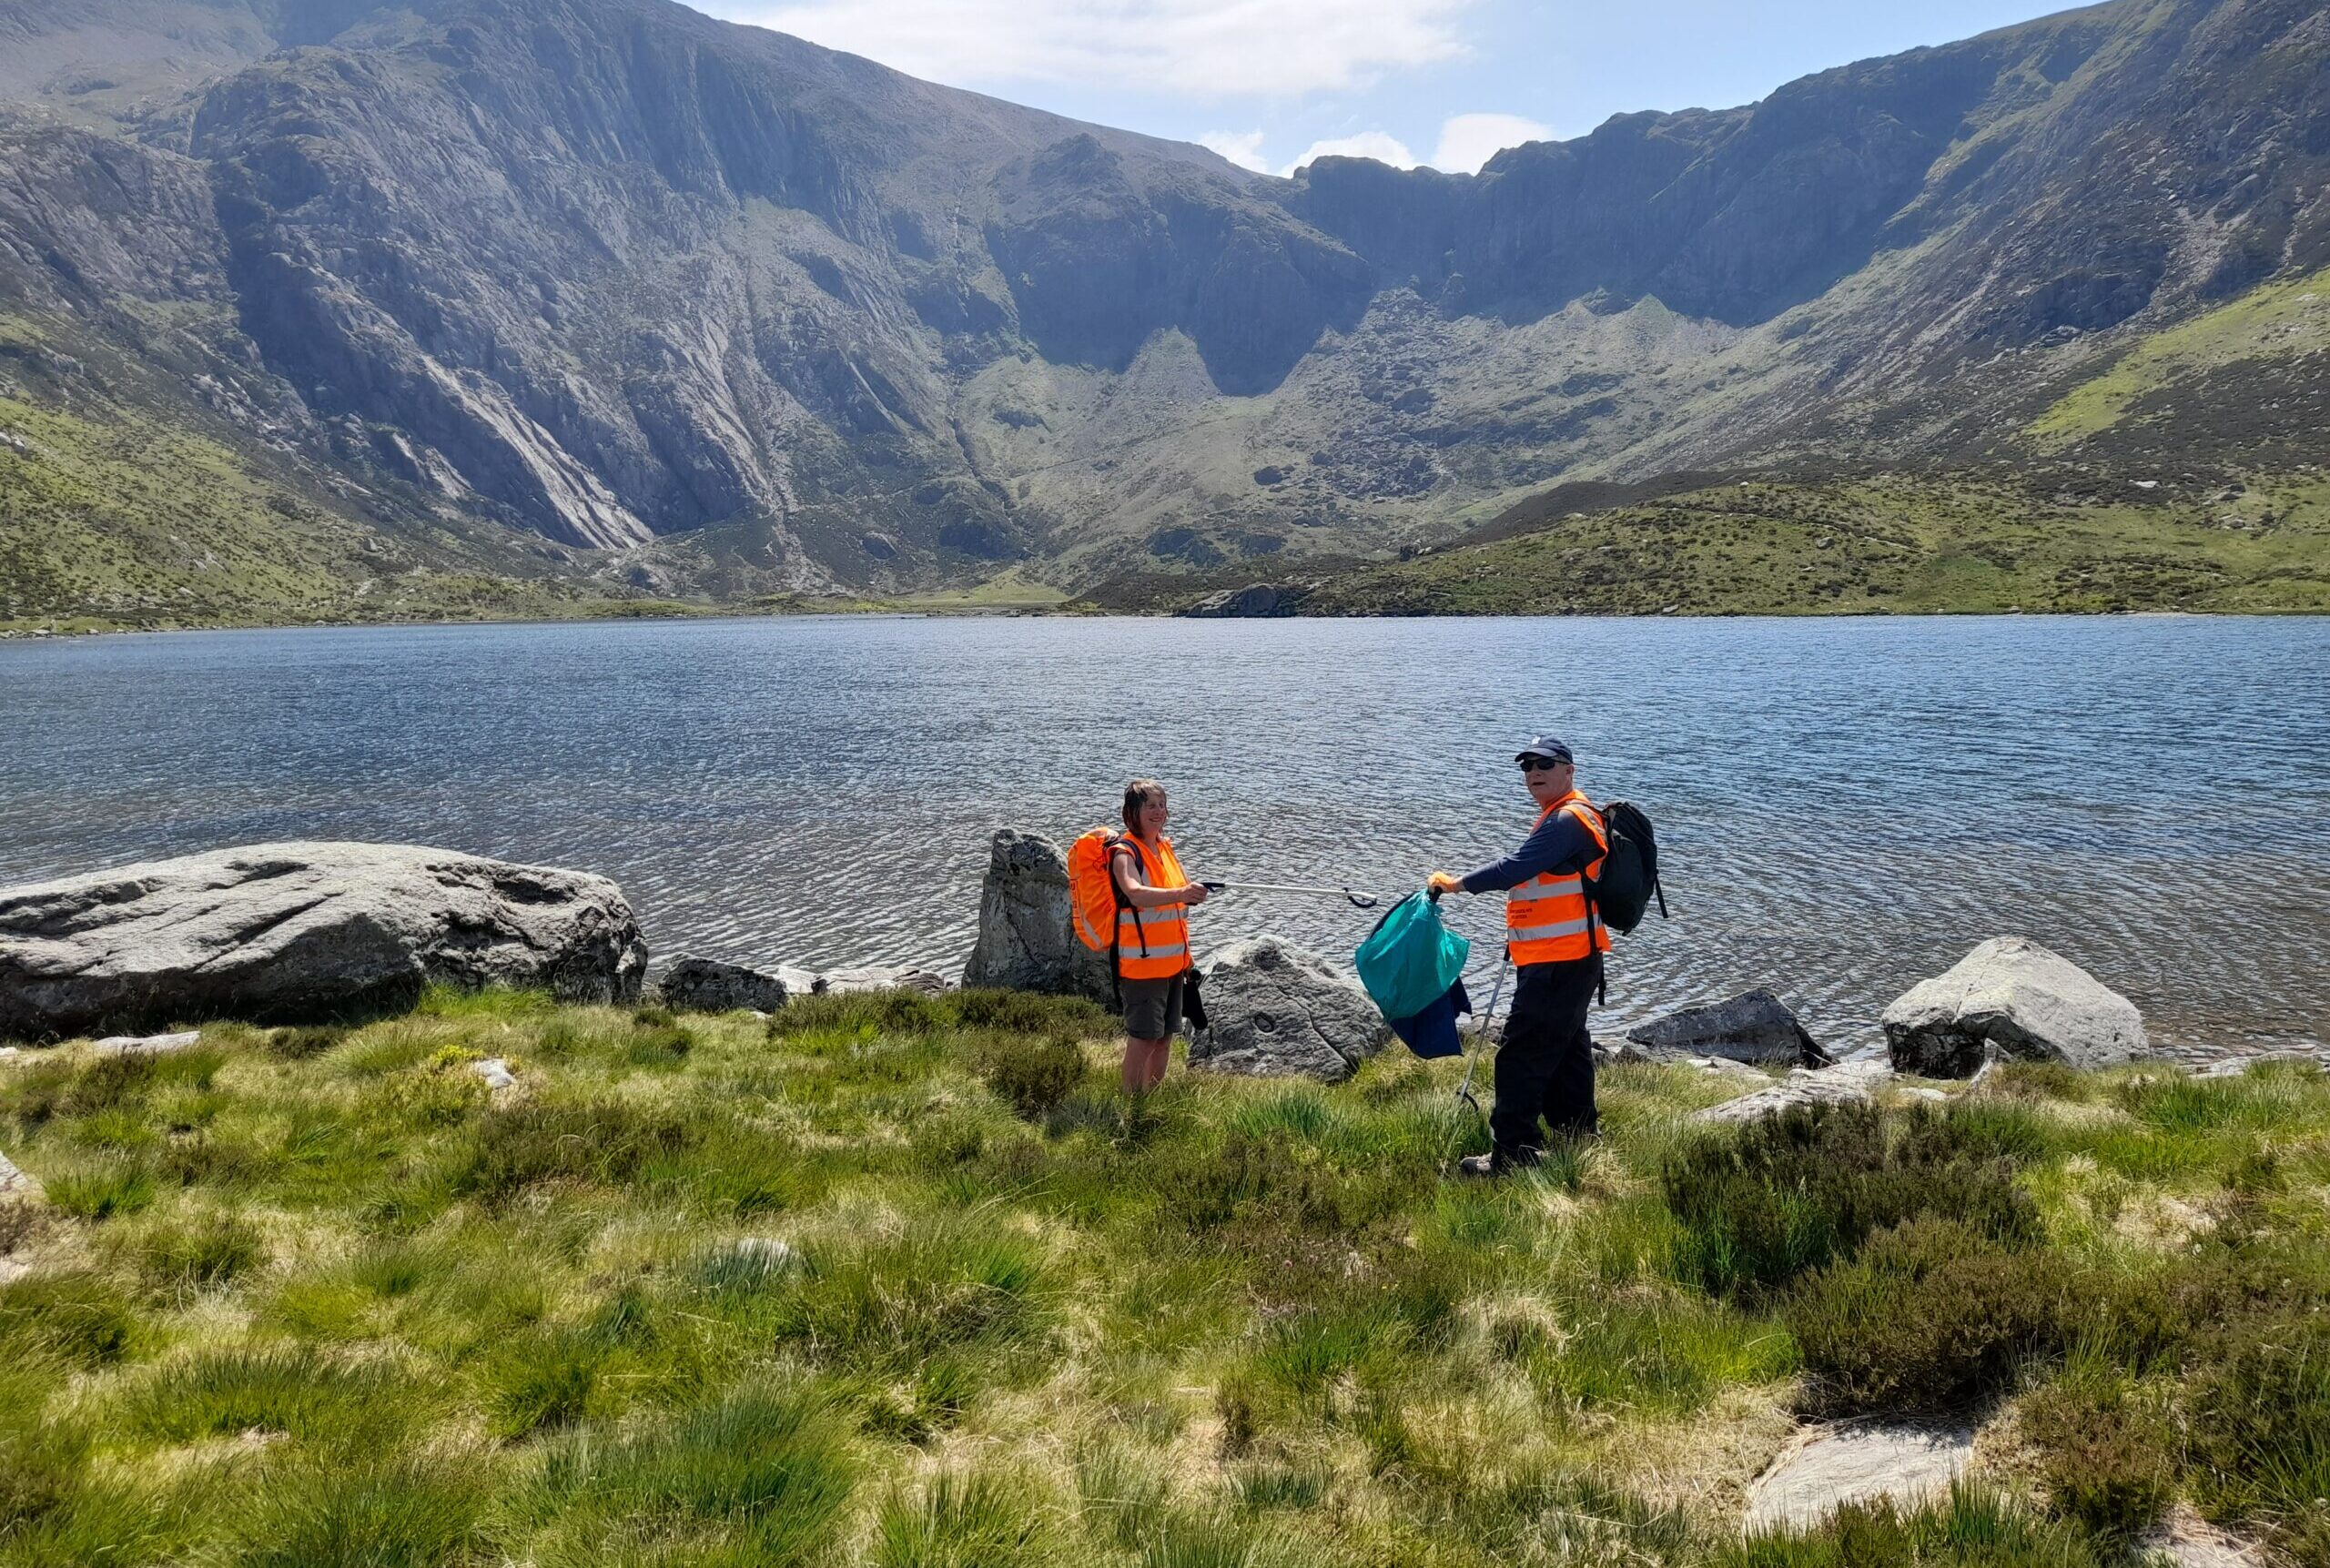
(709, 986)
(293, 933)
(1280, 1012)
(1753, 1026)
(1025, 942)
(2012, 996)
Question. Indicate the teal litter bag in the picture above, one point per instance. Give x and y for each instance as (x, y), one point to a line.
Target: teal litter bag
(1410, 959)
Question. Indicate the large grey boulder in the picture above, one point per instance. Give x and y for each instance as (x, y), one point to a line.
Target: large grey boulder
(709, 986)
(1753, 1026)
(291, 933)
(1025, 942)
(1280, 1012)
(2010, 997)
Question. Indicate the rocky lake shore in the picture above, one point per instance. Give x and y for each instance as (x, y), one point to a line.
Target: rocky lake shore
(406, 1219)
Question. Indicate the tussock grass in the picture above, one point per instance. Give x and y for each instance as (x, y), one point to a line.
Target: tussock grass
(901, 1279)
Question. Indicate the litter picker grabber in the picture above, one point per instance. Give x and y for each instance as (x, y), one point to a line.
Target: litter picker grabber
(1358, 900)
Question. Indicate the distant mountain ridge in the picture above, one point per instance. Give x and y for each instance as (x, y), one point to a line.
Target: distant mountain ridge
(607, 291)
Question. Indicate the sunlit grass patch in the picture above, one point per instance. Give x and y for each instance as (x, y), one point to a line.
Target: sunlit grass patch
(762, 1476)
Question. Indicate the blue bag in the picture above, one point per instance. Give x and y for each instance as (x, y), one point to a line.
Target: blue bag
(1410, 959)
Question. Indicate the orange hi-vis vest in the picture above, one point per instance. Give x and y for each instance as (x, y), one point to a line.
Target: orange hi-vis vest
(1153, 943)
(1546, 917)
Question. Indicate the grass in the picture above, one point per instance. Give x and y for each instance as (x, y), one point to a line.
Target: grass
(903, 1279)
(1885, 543)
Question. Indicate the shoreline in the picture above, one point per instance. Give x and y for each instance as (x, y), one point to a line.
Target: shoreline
(904, 611)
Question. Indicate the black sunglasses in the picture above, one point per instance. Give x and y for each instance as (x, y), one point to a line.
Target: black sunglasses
(1537, 765)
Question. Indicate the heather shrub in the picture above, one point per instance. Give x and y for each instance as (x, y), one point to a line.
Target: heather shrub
(1790, 1192)
(1932, 1315)
(2105, 1454)
(1030, 1075)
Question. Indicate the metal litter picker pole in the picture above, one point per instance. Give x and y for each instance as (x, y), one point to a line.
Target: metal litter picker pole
(1359, 900)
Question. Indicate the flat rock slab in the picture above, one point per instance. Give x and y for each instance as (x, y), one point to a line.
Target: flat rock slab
(880, 977)
(1277, 1011)
(2189, 1540)
(146, 1044)
(1828, 1467)
(1754, 1026)
(2010, 997)
(302, 933)
(710, 985)
(1847, 1083)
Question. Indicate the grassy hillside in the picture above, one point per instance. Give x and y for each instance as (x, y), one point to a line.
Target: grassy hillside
(118, 511)
(1888, 543)
(898, 1281)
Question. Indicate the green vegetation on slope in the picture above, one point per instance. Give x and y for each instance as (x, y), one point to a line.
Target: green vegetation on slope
(1886, 543)
(901, 1280)
(2275, 323)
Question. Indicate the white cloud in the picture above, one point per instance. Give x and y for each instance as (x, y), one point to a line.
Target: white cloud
(1207, 48)
(1468, 141)
(1243, 149)
(1381, 146)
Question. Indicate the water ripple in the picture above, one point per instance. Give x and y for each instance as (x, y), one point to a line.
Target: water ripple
(1844, 807)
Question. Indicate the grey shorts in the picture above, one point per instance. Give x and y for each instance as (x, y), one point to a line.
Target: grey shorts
(1153, 1008)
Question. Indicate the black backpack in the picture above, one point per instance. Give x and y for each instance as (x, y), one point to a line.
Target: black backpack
(1621, 895)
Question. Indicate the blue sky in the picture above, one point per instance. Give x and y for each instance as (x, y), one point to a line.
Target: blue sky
(1444, 82)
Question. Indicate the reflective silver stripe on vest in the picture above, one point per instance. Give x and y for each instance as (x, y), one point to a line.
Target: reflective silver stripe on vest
(1175, 951)
(1554, 928)
(1157, 917)
(1539, 892)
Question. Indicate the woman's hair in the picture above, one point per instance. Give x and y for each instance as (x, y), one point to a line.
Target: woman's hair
(1139, 793)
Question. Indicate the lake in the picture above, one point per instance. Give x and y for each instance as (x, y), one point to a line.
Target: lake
(1843, 806)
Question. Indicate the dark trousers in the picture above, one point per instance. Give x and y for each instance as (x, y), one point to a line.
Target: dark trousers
(1546, 1066)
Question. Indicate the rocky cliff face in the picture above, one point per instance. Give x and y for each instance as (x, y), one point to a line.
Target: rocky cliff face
(710, 308)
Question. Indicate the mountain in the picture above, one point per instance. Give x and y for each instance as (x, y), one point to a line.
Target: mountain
(324, 308)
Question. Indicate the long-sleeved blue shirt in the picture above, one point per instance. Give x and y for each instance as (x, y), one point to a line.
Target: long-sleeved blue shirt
(1559, 841)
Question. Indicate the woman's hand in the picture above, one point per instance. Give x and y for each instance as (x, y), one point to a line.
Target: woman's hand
(1445, 882)
(1196, 892)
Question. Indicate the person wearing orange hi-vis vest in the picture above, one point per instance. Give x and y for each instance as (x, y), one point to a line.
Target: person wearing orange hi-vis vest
(1544, 1069)
(1154, 898)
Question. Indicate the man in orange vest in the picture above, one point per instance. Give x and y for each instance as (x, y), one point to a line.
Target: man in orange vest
(1544, 1069)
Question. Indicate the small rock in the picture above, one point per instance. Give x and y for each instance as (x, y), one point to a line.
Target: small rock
(881, 977)
(710, 985)
(14, 1182)
(145, 1045)
(1849, 1083)
(1753, 1026)
(1725, 1065)
(1280, 1012)
(495, 1071)
(1830, 1466)
(2014, 996)
(2189, 1540)
(2235, 1066)
(798, 982)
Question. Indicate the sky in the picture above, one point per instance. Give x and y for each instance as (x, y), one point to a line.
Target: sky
(1271, 84)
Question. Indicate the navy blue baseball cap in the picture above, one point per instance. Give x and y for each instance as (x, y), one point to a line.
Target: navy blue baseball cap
(1546, 746)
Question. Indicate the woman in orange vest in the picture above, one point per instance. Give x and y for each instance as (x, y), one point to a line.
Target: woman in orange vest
(1153, 901)
(1544, 1069)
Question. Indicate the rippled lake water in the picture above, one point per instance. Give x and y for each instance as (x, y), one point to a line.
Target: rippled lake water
(1843, 806)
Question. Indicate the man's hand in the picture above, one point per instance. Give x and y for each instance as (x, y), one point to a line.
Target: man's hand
(1445, 882)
